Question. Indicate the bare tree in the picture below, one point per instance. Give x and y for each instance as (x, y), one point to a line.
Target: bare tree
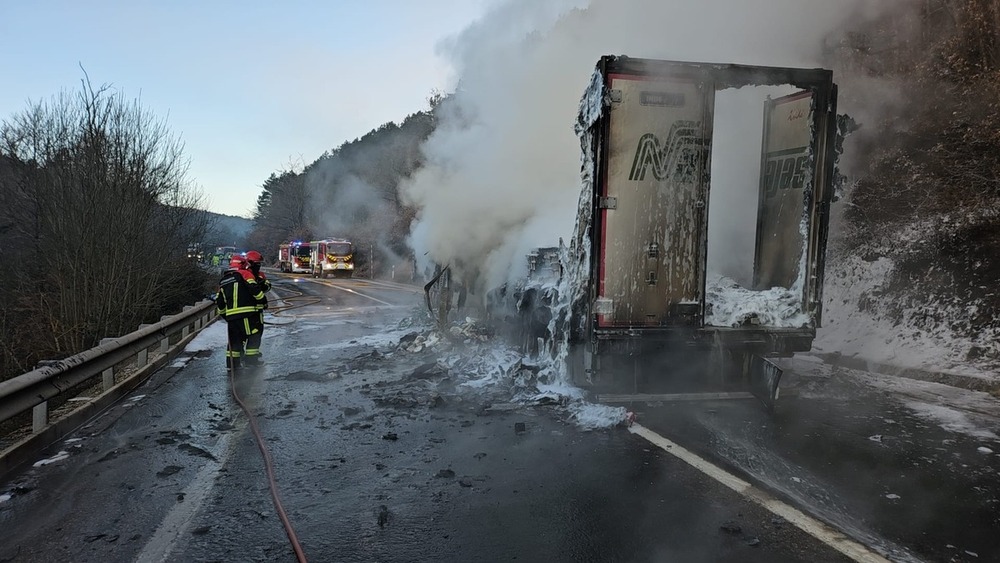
(103, 216)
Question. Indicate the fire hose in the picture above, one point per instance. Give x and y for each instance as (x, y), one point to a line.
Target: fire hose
(294, 301)
(269, 467)
(265, 453)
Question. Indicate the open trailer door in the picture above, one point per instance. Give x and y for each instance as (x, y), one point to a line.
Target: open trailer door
(792, 210)
(781, 214)
(650, 223)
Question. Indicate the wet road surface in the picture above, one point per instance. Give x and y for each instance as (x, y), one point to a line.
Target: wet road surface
(907, 466)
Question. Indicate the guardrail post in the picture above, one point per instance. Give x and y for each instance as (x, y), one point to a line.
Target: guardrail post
(187, 328)
(39, 417)
(142, 358)
(108, 375)
(165, 343)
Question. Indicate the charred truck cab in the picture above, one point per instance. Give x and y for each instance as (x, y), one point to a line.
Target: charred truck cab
(702, 226)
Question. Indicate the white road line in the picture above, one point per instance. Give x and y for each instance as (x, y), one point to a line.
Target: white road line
(176, 523)
(808, 524)
(395, 286)
(335, 286)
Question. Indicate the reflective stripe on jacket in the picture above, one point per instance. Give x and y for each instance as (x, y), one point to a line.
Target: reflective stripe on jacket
(239, 295)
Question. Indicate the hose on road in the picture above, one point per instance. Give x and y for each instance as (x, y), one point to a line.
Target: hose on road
(269, 467)
(294, 301)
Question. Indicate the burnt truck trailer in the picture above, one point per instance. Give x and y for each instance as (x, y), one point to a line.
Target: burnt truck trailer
(702, 225)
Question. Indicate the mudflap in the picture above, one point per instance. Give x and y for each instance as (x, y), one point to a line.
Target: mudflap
(763, 378)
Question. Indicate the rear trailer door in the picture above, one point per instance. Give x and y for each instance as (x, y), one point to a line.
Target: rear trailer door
(651, 210)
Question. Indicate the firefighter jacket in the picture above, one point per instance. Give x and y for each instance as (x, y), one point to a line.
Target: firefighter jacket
(239, 295)
(265, 285)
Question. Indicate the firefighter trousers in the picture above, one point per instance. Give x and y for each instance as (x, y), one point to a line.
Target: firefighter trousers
(240, 331)
(256, 334)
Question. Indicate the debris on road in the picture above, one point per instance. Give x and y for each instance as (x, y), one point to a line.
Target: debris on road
(466, 365)
(731, 527)
(430, 370)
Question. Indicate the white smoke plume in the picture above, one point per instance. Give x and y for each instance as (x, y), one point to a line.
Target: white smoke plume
(502, 168)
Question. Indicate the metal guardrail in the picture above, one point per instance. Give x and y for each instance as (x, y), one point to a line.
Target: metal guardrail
(34, 389)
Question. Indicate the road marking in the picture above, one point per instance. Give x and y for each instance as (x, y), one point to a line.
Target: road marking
(819, 530)
(176, 523)
(335, 286)
(396, 286)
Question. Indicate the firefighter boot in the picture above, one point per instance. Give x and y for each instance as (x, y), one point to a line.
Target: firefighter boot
(253, 361)
(234, 363)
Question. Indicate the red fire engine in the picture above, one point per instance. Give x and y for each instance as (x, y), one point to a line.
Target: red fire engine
(295, 257)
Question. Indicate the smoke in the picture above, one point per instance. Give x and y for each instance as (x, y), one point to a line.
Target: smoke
(351, 194)
(502, 168)
(338, 207)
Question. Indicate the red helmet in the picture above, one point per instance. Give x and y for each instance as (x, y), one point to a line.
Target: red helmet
(237, 262)
(254, 256)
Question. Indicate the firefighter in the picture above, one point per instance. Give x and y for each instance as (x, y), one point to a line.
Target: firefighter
(237, 300)
(253, 355)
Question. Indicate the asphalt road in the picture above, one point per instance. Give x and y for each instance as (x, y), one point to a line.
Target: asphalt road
(907, 467)
(382, 454)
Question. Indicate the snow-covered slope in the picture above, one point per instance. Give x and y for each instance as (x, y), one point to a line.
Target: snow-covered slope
(911, 301)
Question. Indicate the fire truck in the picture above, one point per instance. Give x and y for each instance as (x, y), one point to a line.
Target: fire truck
(332, 257)
(295, 257)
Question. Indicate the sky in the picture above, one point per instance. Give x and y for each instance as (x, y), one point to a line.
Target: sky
(250, 87)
